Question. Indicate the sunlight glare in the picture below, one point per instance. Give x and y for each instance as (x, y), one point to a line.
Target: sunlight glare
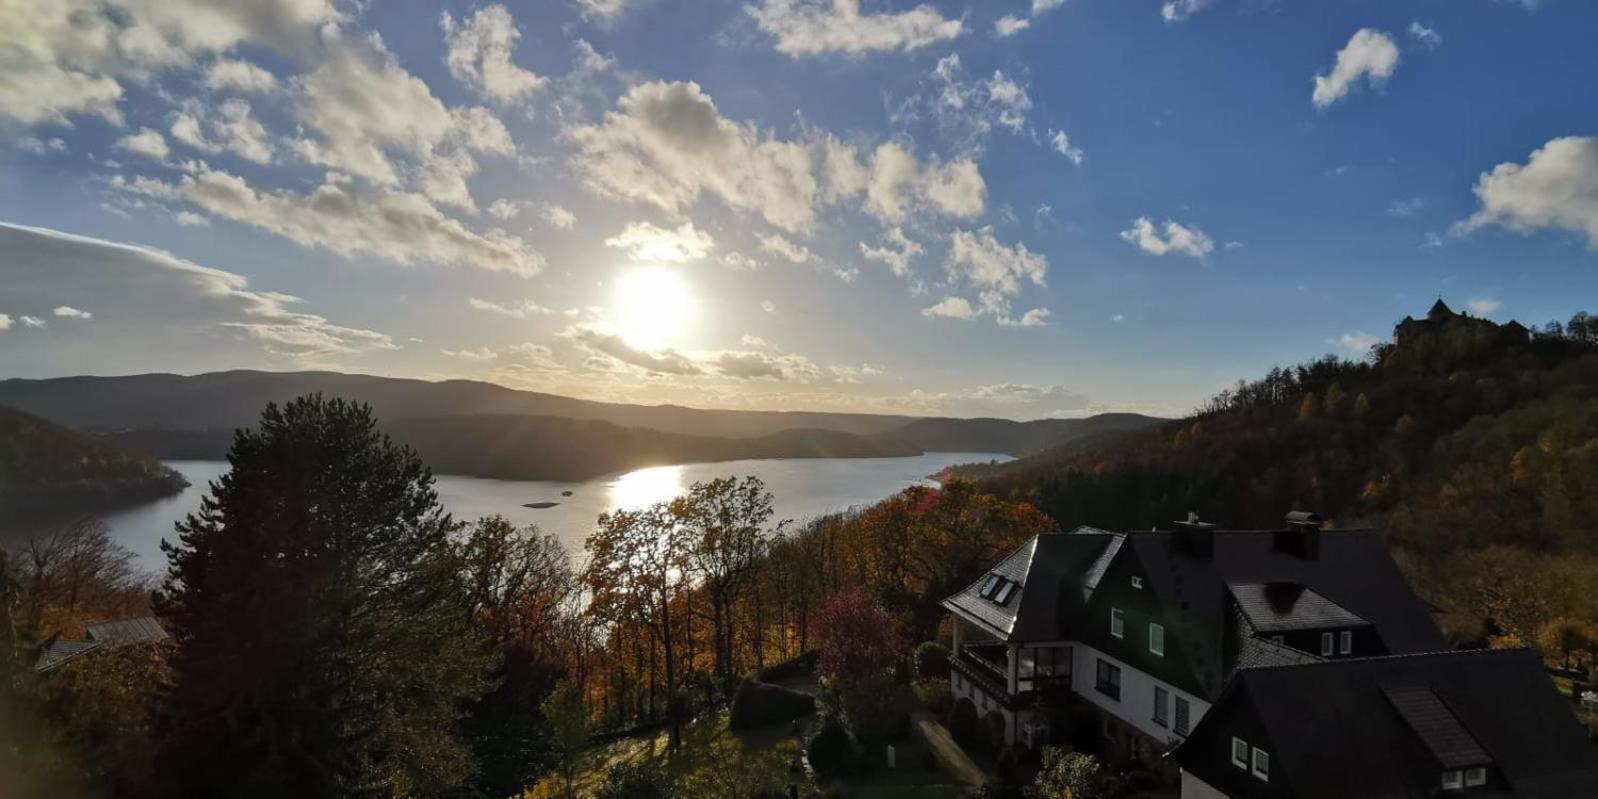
(654, 308)
(644, 487)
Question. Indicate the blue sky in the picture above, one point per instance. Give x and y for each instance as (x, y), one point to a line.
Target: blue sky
(1011, 209)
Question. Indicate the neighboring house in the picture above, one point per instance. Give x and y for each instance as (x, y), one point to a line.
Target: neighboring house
(103, 636)
(1468, 723)
(1148, 626)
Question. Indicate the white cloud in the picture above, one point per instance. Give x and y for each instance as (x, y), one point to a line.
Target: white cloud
(645, 241)
(1557, 188)
(232, 128)
(1426, 36)
(605, 12)
(1041, 6)
(70, 57)
(951, 308)
(1483, 306)
(231, 74)
(1357, 343)
(738, 262)
(32, 321)
(1010, 25)
(504, 210)
(1062, 145)
(146, 142)
(981, 260)
(1118, 318)
(37, 146)
(1406, 207)
(145, 297)
(557, 217)
(1233, 245)
(813, 27)
(69, 312)
(480, 51)
(5, 321)
(1369, 54)
(968, 110)
(1178, 10)
(402, 227)
(191, 219)
(1037, 317)
(777, 245)
(667, 144)
(479, 355)
(604, 341)
(768, 306)
(896, 252)
(1178, 238)
(518, 310)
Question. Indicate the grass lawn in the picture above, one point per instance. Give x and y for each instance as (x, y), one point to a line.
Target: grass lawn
(715, 762)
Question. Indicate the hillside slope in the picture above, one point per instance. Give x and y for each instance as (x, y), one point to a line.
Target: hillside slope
(522, 447)
(47, 470)
(1472, 444)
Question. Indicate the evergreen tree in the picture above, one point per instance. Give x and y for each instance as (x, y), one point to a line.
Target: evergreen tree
(324, 637)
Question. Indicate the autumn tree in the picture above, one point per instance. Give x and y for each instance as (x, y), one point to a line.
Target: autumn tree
(568, 725)
(857, 636)
(324, 639)
(726, 523)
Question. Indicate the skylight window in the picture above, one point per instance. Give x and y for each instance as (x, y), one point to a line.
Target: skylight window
(1006, 590)
(989, 585)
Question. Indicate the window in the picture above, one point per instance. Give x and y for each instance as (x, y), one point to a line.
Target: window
(1109, 680)
(1181, 716)
(1137, 582)
(1157, 639)
(1239, 752)
(1262, 764)
(1162, 700)
(1453, 780)
(1326, 644)
(1475, 776)
(1345, 642)
(988, 585)
(1117, 625)
(1002, 596)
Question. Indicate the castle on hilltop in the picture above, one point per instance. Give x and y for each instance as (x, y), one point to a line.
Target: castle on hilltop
(1443, 319)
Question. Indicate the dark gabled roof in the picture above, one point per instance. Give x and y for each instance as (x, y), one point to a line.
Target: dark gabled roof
(1439, 310)
(1287, 606)
(1353, 571)
(1056, 572)
(104, 635)
(1258, 652)
(1337, 731)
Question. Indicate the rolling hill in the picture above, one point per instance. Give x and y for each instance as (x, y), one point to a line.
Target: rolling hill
(46, 469)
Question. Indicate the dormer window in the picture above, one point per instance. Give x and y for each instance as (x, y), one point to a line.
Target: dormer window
(1453, 780)
(989, 586)
(1475, 777)
(1006, 590)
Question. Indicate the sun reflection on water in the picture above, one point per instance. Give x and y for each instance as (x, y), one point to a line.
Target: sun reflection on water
(644, 487)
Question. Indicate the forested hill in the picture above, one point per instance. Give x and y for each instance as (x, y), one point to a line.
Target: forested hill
(46, 469)
(521, 447)
(187, 406)
(1459, 437)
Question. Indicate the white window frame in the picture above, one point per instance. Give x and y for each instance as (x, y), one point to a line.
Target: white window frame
(1453, 780)
(1475, 776)
(1159, 650)
(1345, 642)
(1137, 582)
(1326, 645)
(1240, 762)
(1262, 765)
(1117, 623)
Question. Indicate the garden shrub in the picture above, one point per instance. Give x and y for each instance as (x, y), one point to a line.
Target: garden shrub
(635, 781)
(758, 704)
(932, 661)
(832, 751)
(935, 695)
(963, 722)
(874, 706)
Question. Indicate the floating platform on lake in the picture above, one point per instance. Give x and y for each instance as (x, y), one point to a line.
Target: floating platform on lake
(540, 505)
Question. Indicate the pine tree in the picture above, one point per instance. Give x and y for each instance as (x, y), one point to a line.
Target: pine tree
(324, 641)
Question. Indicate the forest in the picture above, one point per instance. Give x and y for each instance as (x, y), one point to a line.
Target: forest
(45, 467)
(1474, 446)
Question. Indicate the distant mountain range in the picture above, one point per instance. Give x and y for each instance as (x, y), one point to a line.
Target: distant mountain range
(483, 429)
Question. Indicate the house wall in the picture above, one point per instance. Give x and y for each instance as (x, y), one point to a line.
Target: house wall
(1136, 706)
(960, 687)
(1195, 788)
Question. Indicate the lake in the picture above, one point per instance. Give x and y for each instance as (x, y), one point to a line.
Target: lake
(802, 488)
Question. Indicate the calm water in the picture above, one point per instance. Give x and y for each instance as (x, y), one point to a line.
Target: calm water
(802, 487)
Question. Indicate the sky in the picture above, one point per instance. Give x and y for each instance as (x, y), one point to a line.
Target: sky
(1008, 208)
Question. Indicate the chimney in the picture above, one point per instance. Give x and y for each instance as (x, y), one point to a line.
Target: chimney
(1195, 538)
(1302, 536)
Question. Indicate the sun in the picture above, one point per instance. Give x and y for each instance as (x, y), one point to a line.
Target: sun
(654, 308)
